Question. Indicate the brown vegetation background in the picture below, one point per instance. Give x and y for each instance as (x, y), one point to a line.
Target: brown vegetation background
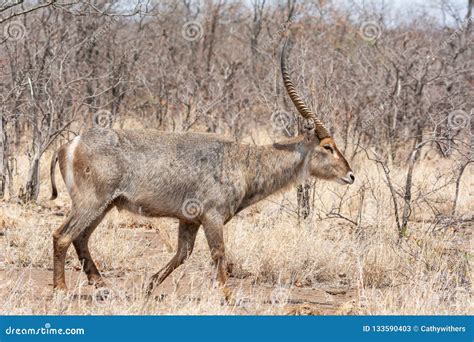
(396, 90)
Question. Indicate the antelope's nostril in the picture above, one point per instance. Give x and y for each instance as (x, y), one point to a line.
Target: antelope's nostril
(348, 179)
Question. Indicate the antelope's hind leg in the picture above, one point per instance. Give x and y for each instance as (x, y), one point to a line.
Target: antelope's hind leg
(77, 223)
(81, 245)
(186, 238)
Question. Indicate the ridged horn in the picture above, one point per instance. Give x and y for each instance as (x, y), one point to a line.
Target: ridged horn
(321, 130)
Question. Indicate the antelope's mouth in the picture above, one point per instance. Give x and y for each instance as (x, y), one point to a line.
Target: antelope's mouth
(348, 179)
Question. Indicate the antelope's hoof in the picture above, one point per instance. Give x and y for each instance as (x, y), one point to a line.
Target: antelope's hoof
(61, 288)
(229, 296)
(98, 282)
(229, 268)
(149, 290)
(158, 298)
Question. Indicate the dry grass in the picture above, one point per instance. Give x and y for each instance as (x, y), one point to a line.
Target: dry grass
(280, 266)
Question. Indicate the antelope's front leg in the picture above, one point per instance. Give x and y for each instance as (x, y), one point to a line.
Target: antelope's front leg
(214, 230)
(186, 238)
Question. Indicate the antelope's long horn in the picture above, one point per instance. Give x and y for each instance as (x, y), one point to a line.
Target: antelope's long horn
(321, 130)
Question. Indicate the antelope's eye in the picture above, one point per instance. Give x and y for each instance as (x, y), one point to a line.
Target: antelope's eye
(329, 148)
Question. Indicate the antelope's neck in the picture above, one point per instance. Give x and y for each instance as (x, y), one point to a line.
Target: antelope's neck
(270, 169)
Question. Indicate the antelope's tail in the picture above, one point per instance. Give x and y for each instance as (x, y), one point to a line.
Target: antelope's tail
(54, 189)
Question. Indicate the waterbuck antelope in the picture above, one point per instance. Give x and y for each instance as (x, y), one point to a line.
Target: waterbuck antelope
(200, 179)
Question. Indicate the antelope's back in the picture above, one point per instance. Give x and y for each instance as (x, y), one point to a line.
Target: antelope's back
(157, 165)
